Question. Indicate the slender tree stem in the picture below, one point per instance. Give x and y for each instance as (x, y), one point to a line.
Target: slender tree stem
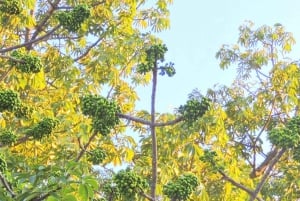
(153, 134)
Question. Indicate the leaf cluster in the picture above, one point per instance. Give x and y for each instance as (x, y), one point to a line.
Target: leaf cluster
(7, 137)
(43, 128)
(181, 188)
(96, 156)
(72, 20)
(288, 136)
(28, 63)
(11, 7)
(194, 109)
(210, 158)
(103, 112)
(154, 54)
(9, 100)
(23, 111)
(129, 183)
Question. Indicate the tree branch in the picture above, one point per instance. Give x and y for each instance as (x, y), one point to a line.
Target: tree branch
(235, 183)
(266, 175)
(6, 185)
(31, 41)
(86, 146)
(145, 122)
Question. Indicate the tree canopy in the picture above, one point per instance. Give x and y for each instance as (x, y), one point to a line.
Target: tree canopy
(68, 78)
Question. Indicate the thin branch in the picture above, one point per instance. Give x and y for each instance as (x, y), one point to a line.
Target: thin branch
(266, 175)
(235, 183)
(7, 185)
(44, 21)
(145, 122)
(31, 41)
(86, 146)
(11, 58)
(88, 49)
(5, 74)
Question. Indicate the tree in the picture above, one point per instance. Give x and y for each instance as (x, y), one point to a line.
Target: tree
(67, 102)
(60, 60)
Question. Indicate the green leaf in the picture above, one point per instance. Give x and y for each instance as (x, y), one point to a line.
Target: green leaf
(69, 197)
(83, 192)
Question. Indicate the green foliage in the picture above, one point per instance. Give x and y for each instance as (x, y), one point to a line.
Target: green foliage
(154, 54)
(286, 137)
(9, 100)
(210, 158)
(181, 188)
(43, 128)
(28, 63)
(7, 137)
(11, 7)
(23, 111)
(3, 164)
(103, 113)
(111, 190)
(96, 156)
(129, 183)
(194, 109)
(72, 20)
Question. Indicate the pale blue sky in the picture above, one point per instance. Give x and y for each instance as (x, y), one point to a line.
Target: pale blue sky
(198, 29)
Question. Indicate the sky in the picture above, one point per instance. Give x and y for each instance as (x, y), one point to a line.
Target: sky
(198, 29)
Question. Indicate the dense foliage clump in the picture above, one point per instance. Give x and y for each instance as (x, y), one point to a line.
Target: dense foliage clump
(129, 183)
(72, 20)
(96, 156)
(42, 129)
(27, 63)
(288, 136)
(154, 54)
(11, 7)
(103, 112)
(7, 137)
(23, 111)
(181, 188)
(194, 109)
(9, 100)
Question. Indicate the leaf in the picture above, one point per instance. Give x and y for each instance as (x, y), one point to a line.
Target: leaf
(83, 192)
(69, 197)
